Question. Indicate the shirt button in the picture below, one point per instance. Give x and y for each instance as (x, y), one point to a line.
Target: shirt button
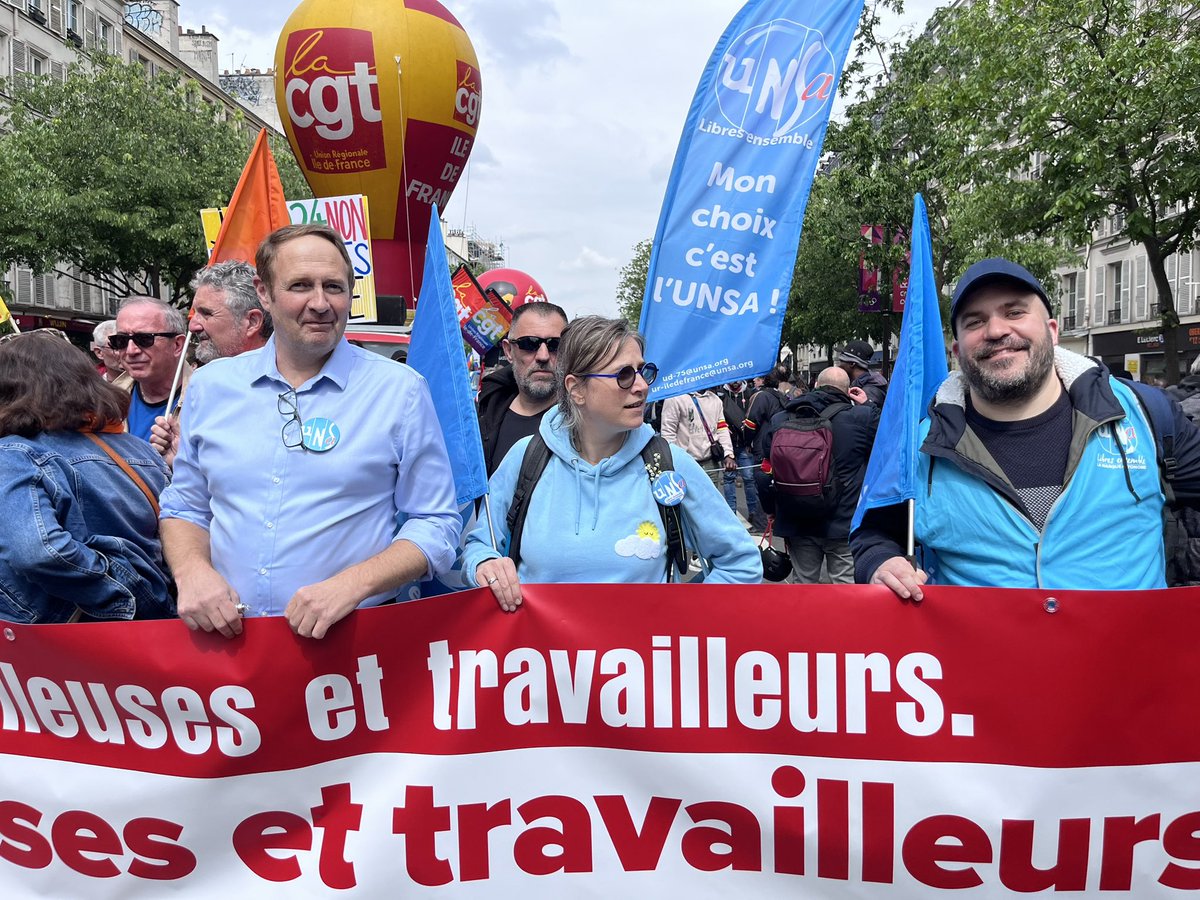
(262, 571)
(275, 480)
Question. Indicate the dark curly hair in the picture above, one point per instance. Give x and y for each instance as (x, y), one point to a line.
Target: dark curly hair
(49, 384)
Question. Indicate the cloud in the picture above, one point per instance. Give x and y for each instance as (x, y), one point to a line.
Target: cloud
(590, 259)
(514, 36)
(641, 547)
(583, 106)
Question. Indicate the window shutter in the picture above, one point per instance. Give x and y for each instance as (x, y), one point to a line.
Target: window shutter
(40, 297)
(1141, 309)
(1172, 266)
(56, 16)
(1125, 304)
(117, 35)
(24, 286)
(1098, 296)
(58, 71)
(1080, 299)
(20, 58)
(89, 28)
(1184, 291)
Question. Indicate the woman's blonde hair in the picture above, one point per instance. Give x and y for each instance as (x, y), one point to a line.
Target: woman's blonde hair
(587, 344)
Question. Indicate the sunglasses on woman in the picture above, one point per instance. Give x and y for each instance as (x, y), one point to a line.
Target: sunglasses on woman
(144, 339)
(626, 377)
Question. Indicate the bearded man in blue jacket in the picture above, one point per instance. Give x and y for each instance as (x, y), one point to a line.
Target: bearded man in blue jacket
(1037, 468)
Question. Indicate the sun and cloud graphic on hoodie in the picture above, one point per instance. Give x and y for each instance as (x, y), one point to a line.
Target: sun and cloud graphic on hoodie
(645, 543)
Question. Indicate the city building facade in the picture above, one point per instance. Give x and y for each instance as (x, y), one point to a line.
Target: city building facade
(43, 38)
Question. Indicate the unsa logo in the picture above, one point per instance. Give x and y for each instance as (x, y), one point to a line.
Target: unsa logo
(1126, 434)
(467, 95)
(775, 78)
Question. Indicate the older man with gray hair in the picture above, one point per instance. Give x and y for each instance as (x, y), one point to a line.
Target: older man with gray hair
(149, 339)
(227, 317)
(114, 373)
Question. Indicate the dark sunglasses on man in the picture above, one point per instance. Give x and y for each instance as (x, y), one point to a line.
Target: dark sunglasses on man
(530, 344)
(626, 377)
(144, 339)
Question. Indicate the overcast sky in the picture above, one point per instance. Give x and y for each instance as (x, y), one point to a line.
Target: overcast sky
(583, 106)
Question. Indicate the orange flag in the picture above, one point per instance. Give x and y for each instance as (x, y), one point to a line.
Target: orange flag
(257, 207)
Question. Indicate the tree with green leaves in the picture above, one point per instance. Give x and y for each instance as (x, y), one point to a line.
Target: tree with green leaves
(631, 283)
(1103, 94)
(823, 307)
(894, 143)
(106, 173)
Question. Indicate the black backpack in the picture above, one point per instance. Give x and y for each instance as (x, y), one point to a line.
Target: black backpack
(802, 468)
(656, 453)
(1181, 525)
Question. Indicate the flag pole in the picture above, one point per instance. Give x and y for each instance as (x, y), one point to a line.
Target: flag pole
(487, 508)
(187, 343)
(911, 504)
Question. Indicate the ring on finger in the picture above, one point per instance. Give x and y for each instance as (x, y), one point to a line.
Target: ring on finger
(492, 580)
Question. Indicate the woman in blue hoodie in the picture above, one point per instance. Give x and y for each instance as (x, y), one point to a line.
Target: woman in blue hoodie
(592, 516)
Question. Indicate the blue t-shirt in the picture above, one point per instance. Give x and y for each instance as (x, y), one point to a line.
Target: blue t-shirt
(143, 414)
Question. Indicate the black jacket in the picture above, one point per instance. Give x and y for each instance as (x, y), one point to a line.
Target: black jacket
(497, 390)
(853, 434)
(764, 404)
(735, 416)
(874, 385)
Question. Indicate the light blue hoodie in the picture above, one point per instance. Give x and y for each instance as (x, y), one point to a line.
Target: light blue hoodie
(599, 523)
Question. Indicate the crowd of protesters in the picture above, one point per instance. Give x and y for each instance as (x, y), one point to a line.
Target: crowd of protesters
(302, 476)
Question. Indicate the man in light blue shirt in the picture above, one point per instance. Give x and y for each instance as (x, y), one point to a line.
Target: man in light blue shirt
(312, 477)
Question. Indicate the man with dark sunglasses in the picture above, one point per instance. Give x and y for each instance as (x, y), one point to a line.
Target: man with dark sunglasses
(149, 339)
(513, 399)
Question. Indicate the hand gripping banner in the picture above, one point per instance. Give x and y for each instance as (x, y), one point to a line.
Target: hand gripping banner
(721, 266)
(635, 741)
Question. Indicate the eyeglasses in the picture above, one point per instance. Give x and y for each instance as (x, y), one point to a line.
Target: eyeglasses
(530, 344)
(293, 429)
(626, 377)
(49, 331)
(144, 339)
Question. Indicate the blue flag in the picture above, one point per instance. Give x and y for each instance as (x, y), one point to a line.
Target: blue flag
(920, 368)
(436, 351)
(721, 268)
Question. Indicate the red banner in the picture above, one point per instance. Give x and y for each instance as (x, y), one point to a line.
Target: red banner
(653, 740)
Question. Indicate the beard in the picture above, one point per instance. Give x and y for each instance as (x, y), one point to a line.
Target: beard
(205, 351)
(1013, 382)
(539, 390)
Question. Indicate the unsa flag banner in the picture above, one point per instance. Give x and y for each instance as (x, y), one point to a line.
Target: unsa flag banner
(636, 741)
(720, 270)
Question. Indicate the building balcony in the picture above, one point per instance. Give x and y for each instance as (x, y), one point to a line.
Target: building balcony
(1114, 317)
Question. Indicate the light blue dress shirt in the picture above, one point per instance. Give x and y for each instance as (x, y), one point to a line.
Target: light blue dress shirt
(282, 518)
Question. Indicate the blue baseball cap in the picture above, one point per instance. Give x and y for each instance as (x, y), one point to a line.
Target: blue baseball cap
(993, 271)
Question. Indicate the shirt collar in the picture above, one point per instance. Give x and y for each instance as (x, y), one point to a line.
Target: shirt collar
(336, 369)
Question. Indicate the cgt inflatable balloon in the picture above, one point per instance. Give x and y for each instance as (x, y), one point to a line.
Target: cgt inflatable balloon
(382, 98)
(516, 287)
